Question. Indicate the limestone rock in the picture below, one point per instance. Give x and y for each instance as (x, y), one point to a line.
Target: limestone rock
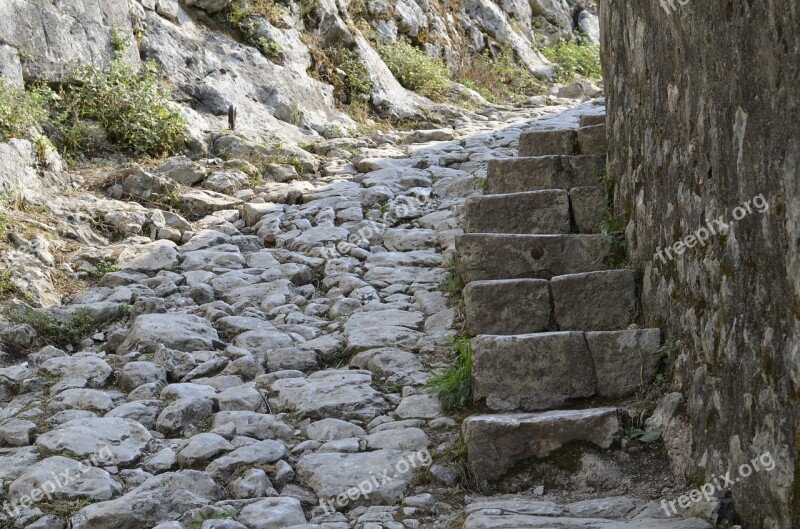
(182, 332)
(496, 442)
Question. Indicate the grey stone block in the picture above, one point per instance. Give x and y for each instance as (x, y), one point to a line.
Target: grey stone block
(496, 443)
(514, 306)
(495, 256)
(547, 142)
(533, 212)
(592, 140)
(589, 207)
(604, 300)
(516, 175)
(531, 372)
(623, 360)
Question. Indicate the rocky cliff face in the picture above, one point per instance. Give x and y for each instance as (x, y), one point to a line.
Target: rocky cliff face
(277, 90)
(703, 117)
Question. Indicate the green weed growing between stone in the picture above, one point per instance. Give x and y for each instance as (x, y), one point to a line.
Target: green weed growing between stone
(453, 387)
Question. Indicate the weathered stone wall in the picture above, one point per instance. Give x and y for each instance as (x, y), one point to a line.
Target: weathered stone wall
(704, 115)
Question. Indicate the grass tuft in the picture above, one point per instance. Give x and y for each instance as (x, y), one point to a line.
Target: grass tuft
(453, 387)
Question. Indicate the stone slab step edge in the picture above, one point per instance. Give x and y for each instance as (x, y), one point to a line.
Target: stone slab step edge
(550, 211)
(588, 140)
(533, 372)
(517, 175)
(592, 301)
(481, 256)
(497, 442)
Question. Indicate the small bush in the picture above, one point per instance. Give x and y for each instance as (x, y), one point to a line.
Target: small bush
(643, 436)
(21, 109)
(581, 57)
(357, 80)
(498, 78)
(415, 70)
(664, 360)
(268, 48)
(132, 107)
(7, 285)
(454, 386)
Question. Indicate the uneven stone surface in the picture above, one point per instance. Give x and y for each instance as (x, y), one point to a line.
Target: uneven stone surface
(511, 306)
(496, 256)
(333, 474)
(535, 212)
(496, 442)
(532, 371)
(612, 513)
(249, 365)
(595, 300)
(337, 394)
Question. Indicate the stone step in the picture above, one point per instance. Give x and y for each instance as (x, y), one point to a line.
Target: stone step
(604, 300)
(587, 140)
(497, 442)
(587, 120)
(538, 212)
(517, 175)
(592, 140)
(482, 256)
(601, 301)
(532, 372)
(624, 361)
(618, 512)
(589, 207)
(546, 142)
(508, 306)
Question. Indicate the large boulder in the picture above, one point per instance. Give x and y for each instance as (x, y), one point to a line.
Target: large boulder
(164, 497)
(57, 36)
(181, 332)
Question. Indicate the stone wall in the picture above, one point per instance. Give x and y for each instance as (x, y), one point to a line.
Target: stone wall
(704, 115)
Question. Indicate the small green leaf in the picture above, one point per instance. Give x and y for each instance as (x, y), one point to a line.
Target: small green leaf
(651, 437)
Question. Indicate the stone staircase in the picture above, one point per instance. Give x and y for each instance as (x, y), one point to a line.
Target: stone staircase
(549, 316)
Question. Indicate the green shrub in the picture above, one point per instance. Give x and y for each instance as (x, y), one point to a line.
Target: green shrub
(454, 385)
(7, 285)
(581, 57)
(498, 78)
(21, 109)
(415, 70)
(268, 48)
(132, 107)
(357, 80)
(65, 331)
